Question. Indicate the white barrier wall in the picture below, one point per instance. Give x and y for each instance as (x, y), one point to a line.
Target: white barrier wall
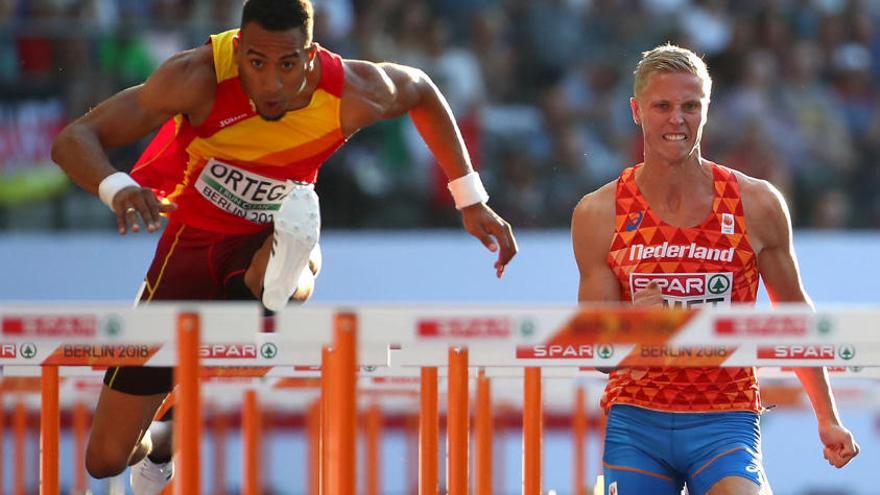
(398, 267)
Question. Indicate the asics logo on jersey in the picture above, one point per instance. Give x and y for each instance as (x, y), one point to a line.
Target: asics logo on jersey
(634, 220)
(693, 251)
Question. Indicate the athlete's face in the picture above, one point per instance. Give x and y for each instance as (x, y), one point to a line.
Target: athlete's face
(671, 110)
(273, 66)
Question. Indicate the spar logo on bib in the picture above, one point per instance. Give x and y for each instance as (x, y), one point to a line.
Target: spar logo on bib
(687, 289)
(241, 193)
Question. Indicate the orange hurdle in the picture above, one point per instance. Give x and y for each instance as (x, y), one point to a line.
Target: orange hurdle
(532, 431)
(339, 475)
(2, 437)
(80, 433)
(373, 440)
(313, 427)
(327, 363)
(412, 454)
(579, 427)
(458, 417)
(50, 431)
(220, 430)
(19, 432)
(483, 459)
(187, 424)
(251, 443)
(429, 481)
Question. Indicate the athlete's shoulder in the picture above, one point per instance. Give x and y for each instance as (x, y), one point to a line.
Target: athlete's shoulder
(366, 79)
(593, 219)
(766, 213)
(757, 194)
(183, 82)
(193, 66)
(599, 203)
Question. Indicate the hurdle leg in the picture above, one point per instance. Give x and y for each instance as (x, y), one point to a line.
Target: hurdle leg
(532, 432)
(429, 482)
(2, 434)
(220, 431)
(188, 420)
(342, 401)
(411, 432)
(19, 461)
(458, 417)
(313, 461)
(373, 424)
(80, 433)
(327, 362)
(483, 437)
(50, 428)
(251, 443)
(579, 427)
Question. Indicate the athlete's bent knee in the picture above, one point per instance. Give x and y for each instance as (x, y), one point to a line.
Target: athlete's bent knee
(106, 458)
(106, 462)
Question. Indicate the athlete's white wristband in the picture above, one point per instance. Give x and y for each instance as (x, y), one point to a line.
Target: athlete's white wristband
(112, 184)
(468, 190)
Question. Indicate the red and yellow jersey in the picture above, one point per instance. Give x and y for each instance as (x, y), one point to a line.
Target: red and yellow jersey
(230, 173)
(709, 264)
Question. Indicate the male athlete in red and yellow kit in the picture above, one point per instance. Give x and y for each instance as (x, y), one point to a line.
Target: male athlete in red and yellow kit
(681, 230)
(248, 120)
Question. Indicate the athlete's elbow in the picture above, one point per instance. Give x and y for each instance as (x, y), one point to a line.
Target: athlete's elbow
(66, 139)
(61, 144)
(422, 89)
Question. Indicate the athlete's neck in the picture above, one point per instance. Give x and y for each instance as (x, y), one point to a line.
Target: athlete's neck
(679, 192)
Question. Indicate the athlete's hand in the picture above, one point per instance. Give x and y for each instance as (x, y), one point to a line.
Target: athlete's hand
(649, 296)
(484, 224)
(840, 446)
(133, 202)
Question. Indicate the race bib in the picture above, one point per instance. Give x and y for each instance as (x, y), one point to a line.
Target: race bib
(686, 290)
(239, 192)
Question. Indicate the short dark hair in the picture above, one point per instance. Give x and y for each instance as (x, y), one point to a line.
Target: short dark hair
(279, 15)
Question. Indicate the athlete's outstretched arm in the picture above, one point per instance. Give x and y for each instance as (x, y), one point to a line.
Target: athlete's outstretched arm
(592, 227)
(382, 91)
(779, 269)
(123, 119)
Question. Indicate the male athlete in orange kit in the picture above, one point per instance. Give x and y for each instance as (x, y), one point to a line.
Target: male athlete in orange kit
(675, 217)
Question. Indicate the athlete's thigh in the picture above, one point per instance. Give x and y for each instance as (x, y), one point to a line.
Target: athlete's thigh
(621, 480)
(181, 269)
(736, 472)
(734, 485)
(726, 445)
(633, 455)
(120, 421)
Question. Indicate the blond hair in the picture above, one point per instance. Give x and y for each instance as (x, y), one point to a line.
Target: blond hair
(669, 58)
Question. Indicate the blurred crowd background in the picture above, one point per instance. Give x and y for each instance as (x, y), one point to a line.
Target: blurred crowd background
(539, 87)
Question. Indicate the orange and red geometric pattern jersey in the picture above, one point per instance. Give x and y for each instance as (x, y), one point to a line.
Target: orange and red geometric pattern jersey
(709, 264)
(230, 173)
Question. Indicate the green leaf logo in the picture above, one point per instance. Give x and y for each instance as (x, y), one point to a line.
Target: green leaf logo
(269, 350)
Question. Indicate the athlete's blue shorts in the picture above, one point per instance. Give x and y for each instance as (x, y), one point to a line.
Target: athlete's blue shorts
(659, 452)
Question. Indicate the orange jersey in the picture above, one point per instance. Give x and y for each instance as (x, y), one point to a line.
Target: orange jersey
(712, 263)
(230, 173)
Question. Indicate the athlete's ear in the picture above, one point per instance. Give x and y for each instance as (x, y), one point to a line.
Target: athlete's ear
(636, 112)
